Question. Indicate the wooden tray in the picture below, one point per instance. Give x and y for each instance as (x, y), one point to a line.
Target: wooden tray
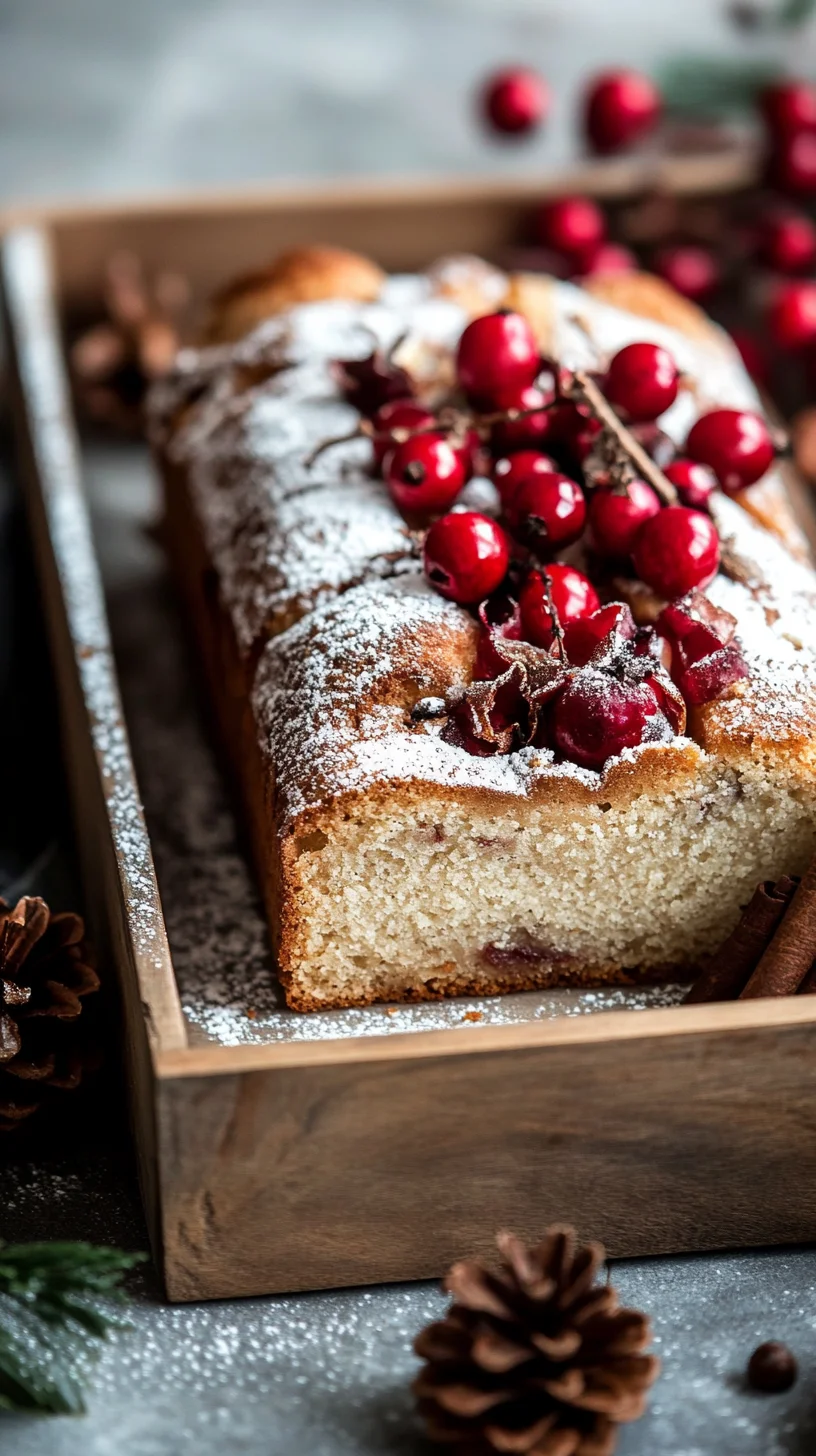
(353, 1159)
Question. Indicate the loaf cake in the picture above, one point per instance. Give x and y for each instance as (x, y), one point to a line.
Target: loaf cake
(415, 836)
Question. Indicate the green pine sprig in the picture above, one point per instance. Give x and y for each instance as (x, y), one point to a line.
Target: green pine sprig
(714, 86)
(710, 87)
(794, 12)
(50, 1325)
(787, 15)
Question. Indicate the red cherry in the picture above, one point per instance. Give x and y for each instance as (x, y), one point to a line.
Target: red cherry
(597, 717)
(752, 355)
(692, 481)
(792, 315)
(705, 658)
(425, 474)
(466, 556)
(547, 512)
(497, 352)
(705, 680)
(511, 470)
(693, 271)
(787, 243)
(573, 596)
(735, 443)
(677, 550)
(615, 519)
(621, 108)
(516, 434)
(516, 101)
(583, 439)
(606, 258)
(642, 381)
(572, 225)
(789, 106)
(792, 165)
(570, 431)
(398, 414)
(584, 635)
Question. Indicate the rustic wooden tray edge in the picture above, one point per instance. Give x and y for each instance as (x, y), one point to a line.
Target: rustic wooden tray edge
(390, 218)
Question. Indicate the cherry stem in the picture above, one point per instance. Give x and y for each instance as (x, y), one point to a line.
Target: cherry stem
(451, 420)
(397, 344)
(589, 392)
(362, 432)
(558, 630)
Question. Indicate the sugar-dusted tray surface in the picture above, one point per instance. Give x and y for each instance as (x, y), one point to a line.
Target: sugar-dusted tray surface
(217, 931)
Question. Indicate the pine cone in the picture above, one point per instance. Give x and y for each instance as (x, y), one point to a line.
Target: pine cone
(45, 971)
(116, 360)
(536, 1358)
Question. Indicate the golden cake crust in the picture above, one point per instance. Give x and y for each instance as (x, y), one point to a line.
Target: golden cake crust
(303, 275)
(651, 297)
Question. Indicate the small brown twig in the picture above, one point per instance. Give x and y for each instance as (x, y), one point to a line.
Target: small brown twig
(362, 432)
(392, 350)
(450, 420)
(587, 390)
(558, 630)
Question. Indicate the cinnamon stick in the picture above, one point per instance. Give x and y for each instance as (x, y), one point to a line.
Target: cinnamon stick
(788, 959)
(585, 386)
(733, 965)
(808, 986)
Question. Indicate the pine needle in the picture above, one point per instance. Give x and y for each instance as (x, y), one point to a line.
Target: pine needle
(789, 14)
(50, 1326)
(795, 12)
(702, 86)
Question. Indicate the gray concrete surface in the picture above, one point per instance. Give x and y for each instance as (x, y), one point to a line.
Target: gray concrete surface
(108, 96)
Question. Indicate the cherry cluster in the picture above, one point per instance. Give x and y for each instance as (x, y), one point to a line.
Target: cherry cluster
(608, 692)
(540, 444)
(769, 236)
(562, 450)
(619, 107)
(614, 695)
(786, 239)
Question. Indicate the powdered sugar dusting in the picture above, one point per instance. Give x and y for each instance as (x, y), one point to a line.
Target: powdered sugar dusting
(30, 295)
(586, 332)
(332, 698)
(251, 1016)
(284, 529)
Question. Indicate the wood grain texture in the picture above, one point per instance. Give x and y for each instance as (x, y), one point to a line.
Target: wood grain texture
(355, 1173)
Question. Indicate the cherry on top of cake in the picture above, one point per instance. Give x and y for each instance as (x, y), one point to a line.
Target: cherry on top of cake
(271, 401)
(594, 502)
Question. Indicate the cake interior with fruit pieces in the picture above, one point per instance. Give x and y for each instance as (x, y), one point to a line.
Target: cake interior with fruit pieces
(509, 630)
